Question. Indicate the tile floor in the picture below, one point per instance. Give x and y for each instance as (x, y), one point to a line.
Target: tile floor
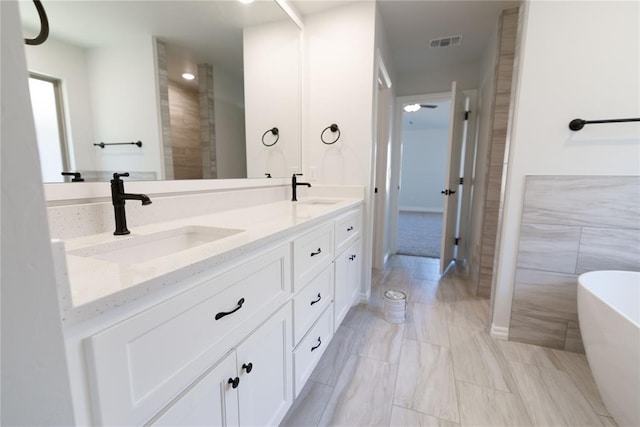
(441, 367)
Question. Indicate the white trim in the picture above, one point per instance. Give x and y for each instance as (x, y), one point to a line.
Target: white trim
(499, 332)
(419, 209)
(383, 75)
(364, 297)
(291, 12)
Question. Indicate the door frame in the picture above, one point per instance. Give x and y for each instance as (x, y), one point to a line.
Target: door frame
(381, 153)
(468, 157)
(396, 156)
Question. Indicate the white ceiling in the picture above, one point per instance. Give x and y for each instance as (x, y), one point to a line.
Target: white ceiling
(410, 25)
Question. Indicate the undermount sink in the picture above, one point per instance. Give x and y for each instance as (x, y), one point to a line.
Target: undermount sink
(318, 202)
(135, 249)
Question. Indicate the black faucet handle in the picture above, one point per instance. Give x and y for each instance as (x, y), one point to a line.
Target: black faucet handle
(117, 176)
(77, 176)
(297, 174)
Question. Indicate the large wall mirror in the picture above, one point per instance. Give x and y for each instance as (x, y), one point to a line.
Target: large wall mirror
(165, 89)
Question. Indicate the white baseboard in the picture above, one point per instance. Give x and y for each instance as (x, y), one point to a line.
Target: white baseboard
(364, 297)
(499, 332)
(420, 209)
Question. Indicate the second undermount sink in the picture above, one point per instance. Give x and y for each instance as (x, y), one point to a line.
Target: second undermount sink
(135, 249)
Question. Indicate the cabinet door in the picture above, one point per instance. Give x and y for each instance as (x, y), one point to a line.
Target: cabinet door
(347, 281)
(266, 372)
(210, 401)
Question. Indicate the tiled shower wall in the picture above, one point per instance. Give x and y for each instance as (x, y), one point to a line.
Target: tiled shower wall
(496, 153)
(570, 225)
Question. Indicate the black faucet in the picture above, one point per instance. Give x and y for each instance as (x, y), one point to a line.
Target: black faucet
(77, 176)
(294, 186)
(118, 197)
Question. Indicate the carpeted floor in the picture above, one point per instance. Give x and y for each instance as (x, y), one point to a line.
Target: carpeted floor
(419, 234)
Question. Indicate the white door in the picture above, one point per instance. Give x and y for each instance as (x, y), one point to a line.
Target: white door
(450, 193)
(347, 281)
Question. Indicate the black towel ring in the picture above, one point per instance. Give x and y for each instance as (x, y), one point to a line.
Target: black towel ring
(44, 26)
(333, 128)
(273, 131)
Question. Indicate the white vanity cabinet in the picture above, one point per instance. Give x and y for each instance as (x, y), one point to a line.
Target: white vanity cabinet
(348, 263)
(251, 386)
(231, 345)
(140, 364)
(210, 401)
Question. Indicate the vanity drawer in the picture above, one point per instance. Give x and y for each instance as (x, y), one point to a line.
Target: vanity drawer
(309, 303)
(312, 252)
(311, 348)
(140, 364)
(348, 229)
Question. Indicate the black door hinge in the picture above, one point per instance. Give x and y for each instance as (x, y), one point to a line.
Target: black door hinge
(456, 241)
(466, 114)
(461, 181)
(375, 190)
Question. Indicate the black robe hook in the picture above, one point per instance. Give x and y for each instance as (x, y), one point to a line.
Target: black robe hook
(44, 26)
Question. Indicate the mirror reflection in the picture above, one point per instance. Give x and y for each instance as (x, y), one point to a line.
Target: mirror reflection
(165, 89)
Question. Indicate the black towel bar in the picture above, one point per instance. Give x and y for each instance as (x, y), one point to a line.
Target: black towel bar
(577, 124)
(104, 144)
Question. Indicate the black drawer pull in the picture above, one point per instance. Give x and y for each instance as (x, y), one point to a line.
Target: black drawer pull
(247, 367)
(319, 343)
(350, 228)
(222, 313)
(235, 382)
(318, 252)
(352, 257)
(317, 300)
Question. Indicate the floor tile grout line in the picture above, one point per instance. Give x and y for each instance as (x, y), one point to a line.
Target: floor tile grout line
(595, 411)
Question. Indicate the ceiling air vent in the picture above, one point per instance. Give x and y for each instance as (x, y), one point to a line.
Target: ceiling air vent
(446, 41)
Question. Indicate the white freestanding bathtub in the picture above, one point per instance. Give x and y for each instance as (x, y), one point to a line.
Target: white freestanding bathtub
(609, 314)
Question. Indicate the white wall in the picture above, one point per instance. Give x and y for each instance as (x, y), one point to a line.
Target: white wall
(228, 98)
(124, 99)
(35, 383)
(272, 98)
(576, 62)
(424, 160)
(340, 68)
(68, 63)
(437, 80)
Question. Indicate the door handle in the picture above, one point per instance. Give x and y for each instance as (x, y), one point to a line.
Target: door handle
(223, 313)
(317, 300)
(447, 192)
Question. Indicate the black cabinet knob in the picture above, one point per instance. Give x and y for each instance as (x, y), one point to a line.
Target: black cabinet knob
(247, 367)
(235, 382)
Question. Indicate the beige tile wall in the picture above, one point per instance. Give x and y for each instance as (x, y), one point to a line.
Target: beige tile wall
(165, 117)
(184, 111)
(496, 156)
(207, 121)
(570, 225)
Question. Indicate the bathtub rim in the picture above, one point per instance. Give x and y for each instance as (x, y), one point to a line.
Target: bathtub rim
(585, 287)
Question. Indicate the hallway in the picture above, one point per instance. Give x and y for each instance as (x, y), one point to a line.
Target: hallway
(441, 367)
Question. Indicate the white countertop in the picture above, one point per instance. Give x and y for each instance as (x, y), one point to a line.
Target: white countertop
(95, 286)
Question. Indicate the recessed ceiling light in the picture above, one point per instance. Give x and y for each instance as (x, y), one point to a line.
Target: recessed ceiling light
(411, 108)
(188, 76)
(246, 1)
